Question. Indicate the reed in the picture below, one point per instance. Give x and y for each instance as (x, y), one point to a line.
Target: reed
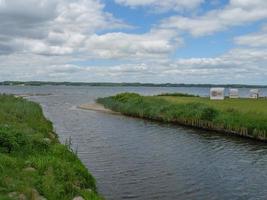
(32, 161)
(244, 117)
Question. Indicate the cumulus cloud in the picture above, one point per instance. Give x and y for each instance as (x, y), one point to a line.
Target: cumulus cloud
(69, 27)
(159, 5)
(41, 40)
(51, 27)
(154, 44)
(237, 12)
(239, 65)
(258, 39)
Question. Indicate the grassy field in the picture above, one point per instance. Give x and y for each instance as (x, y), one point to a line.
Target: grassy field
(242, 105)
(33, 164)
(246, 117)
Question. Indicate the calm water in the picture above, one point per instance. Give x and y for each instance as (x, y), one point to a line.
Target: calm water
(143, 160)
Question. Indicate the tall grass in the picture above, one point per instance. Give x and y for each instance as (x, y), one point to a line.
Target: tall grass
(199, 112)
(32, 159)
(176, 94)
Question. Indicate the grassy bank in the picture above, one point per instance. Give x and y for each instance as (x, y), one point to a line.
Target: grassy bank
(33, 164)
(245, 117)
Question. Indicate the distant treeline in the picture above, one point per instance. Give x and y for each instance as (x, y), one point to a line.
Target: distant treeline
(41, 83)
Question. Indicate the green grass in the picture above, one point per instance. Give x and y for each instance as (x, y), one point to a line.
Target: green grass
(246, 117)
(56, 173)
(176, 94)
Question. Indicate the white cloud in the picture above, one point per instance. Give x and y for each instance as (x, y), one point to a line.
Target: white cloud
(40, 40)
(70, 28)
(237, 12)
(254, 40)
(51, 27)
(239, 65)
(163, 5)
(154, 44)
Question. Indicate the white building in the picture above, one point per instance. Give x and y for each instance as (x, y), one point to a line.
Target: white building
(233, 93)
(217, 93)
(254, 93)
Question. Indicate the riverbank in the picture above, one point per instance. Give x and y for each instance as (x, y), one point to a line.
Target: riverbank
(243, 117)
(33, 164)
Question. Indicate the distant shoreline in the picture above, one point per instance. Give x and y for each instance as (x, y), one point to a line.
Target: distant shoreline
(110, 84)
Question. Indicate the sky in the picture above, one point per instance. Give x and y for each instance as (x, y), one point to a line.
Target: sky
(155, 41)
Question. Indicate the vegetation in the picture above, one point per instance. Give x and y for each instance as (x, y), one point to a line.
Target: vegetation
(246, 117)
(178, 95)
(33, 164)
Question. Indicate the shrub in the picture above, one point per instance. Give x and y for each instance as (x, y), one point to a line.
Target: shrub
(7, 142)
(124, 97)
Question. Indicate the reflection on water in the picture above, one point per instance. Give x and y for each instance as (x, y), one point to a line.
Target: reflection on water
(137, 159)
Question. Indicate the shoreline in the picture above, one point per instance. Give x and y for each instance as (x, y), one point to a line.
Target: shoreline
(97, 107)
(205, 125)
(33, 163)
(201, 115)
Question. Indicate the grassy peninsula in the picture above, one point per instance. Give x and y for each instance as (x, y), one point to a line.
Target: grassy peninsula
(244, 117)
(33, 164)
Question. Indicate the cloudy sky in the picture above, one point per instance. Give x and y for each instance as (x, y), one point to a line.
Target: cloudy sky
(177, 41)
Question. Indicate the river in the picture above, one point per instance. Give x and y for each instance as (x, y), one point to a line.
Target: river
(143, 160)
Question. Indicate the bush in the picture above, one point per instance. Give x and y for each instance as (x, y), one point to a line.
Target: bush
(11, 140)
(124, 97)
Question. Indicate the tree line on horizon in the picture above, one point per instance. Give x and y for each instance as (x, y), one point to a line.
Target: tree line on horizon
(136, 84)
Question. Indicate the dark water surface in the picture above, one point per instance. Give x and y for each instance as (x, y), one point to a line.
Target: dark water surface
(143, 160)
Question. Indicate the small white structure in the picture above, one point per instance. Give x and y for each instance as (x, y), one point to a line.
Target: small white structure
(217, 93)
(233, 93)
(254, 93)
